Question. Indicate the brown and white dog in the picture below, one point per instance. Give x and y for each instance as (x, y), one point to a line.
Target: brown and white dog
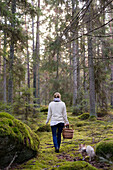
(86, 150)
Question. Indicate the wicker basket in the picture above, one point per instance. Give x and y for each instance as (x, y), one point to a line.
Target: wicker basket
(67, 133)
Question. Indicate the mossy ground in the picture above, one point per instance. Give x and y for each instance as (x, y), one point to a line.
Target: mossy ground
(85, 131)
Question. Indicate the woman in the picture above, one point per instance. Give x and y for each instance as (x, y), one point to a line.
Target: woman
(57, 114)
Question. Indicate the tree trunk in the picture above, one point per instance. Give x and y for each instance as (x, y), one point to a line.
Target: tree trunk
(91, 67)
(4, 67)
(111, 30)
(75, 52)
(28, 71)
(78, 69)
(84, 73)
(4, 63)
(38, 56)
(28, 75)
(104, 89)
(111, 86)
(34, 63)
(57, 73)
(74, 75)
(0, 61)
(11, 57)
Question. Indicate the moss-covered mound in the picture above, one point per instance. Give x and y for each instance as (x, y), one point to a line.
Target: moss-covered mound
(105, 149)
(78, 165)
(44, 128)
(84, 116)
(16, 138)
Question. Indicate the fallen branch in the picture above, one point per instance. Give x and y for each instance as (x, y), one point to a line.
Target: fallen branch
(12, 161)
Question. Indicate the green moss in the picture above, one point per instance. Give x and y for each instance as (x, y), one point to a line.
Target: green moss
(6, 115)
(44, 128)
(16, 130)
(84, 116)
(80, 124)
(92, 118)
(105, 148)
(85, 131)
(108, 127)
(34, 164)
(10, 122)
(78, 165)
(72, 118)
(9, 126)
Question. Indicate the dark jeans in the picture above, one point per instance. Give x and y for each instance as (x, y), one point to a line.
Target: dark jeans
(56, 133)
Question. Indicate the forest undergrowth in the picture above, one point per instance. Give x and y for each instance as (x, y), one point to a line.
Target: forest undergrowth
(85, 131)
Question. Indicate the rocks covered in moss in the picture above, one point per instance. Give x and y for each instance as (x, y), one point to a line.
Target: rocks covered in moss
(16, 138)
(44, 128)
(84, 116)
(105, 149)
(78, 165)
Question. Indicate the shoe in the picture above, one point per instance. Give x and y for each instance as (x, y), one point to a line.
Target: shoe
(57, 150)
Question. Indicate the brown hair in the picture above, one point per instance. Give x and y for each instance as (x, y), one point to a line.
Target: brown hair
(57, 95)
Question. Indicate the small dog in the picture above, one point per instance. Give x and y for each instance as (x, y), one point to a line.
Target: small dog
(86, 150)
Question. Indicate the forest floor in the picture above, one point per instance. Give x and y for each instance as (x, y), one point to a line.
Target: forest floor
(85, 131)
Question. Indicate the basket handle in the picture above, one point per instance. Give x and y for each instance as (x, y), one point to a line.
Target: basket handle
(67, 126)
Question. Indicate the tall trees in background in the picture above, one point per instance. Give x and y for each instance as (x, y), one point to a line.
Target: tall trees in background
(11, 56)
(75, 45)
(14, 38)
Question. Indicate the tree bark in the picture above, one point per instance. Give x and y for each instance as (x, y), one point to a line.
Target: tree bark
(111, 30)
(91, 67)
(75, 52)
(28, 71)
(0, 60)
(84, 73)
(74, 75)
(34, 63)
(38, 56)
(111, 86)
(4, 67)
(104, 98)
(11, 57)
(28, 74)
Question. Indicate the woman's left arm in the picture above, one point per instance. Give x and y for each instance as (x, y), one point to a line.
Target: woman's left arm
(49, 114)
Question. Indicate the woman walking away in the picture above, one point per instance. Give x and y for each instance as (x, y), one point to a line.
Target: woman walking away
(58, 115)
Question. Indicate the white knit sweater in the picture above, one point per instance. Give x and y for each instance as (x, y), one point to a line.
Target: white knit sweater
(57, 113)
